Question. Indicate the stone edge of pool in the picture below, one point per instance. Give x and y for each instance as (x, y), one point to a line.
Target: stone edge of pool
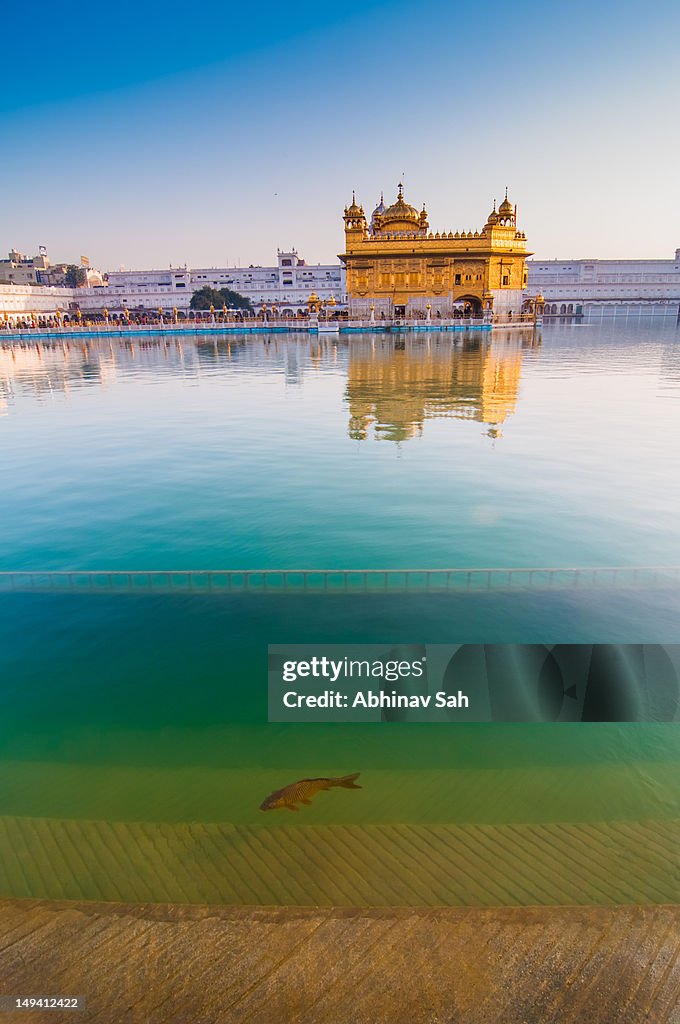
(340, 965)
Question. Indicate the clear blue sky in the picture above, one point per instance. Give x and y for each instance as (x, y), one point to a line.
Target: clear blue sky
(143, 134)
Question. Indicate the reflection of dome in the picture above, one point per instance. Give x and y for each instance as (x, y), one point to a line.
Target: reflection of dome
(400, 216)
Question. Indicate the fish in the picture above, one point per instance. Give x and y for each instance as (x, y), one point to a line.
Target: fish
(303, 790)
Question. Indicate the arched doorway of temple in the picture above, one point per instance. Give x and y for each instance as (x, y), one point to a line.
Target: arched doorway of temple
(468, 305)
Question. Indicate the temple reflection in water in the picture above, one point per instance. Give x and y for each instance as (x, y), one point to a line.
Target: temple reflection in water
(393, 387)
(392, 383)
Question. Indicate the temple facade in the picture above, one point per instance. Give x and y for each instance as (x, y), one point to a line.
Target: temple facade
(397, 267)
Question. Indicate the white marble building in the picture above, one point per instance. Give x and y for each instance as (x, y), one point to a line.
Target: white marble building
(21, 301)
(572, 287)
(287, 285)
(149, 289)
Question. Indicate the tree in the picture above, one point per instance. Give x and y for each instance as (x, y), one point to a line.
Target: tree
(206, 297)
(75, 277)
(235, 300)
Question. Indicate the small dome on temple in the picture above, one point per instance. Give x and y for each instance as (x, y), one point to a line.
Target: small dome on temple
(506, 208)
(376, 216)
(355, 210)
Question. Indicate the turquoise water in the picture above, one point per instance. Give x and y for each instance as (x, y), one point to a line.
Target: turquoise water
(550, 450)
(556, 449)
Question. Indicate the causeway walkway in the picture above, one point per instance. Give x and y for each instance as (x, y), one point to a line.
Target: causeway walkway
(206, 329)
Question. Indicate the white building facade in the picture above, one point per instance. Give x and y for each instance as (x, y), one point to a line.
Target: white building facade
(574, 287)
(23, 301)
(288, 285)
(149, 289)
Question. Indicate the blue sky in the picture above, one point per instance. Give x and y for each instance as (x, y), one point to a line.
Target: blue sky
(146, 134)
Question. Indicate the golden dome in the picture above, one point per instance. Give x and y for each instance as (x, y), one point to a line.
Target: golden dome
(400, 213)
(506, 208)
(354, 210)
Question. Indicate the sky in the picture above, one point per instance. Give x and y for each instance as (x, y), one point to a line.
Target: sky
(149, 134)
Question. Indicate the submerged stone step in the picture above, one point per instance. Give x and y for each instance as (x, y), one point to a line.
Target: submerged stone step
(607, 862)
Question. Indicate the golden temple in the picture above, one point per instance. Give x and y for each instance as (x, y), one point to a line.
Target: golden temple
(397, 267)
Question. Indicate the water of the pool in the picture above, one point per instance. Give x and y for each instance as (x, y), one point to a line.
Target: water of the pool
(555, 447)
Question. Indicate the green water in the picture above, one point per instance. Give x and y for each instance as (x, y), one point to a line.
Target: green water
(155, 708)
(151, 708)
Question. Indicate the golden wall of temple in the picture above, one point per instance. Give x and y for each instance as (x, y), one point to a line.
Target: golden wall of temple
(397, 266)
